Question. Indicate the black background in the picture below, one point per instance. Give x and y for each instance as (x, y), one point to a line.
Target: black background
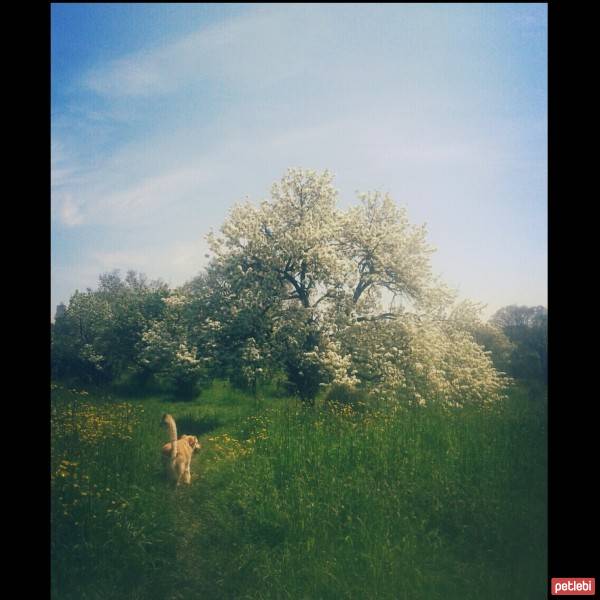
(573, 237)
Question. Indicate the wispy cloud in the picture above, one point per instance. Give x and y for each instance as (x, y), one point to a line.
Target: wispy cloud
(238, 50)
(63, 176)
(70, 212)
(149, 195)
(367, 125)
(174, 263)
(365, 144)
(153, 147)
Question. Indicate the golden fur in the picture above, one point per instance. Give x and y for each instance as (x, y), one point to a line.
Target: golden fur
(177, 453)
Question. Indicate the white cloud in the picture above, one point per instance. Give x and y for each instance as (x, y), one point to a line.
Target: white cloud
(70, 213)
(151, 194)
(147, 176)
(237, 50)
(233, 167)
(282, 87)
(61, 169)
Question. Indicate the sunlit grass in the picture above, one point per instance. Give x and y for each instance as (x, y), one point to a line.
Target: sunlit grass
(292, 502)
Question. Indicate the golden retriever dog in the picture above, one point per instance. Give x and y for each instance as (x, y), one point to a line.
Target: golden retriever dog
(177, 453)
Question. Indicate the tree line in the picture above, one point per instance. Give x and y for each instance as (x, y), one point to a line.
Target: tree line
(318, 298)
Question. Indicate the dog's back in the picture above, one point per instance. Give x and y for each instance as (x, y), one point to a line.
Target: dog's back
(177, 457)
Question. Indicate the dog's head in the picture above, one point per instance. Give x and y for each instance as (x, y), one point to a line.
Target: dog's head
(192, 440)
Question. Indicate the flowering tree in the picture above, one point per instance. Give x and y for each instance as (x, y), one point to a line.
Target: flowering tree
(315, 278)
(422, 360)
(300, 287)
(166, 351)
(229, 324)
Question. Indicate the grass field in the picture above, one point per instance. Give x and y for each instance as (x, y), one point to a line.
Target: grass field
(295, 502)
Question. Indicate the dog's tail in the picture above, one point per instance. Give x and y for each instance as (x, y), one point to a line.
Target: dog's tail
(169, 421)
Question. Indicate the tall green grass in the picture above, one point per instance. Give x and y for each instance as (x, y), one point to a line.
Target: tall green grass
(296, 502)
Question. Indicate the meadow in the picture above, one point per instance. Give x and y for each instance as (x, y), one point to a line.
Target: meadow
(289, 501)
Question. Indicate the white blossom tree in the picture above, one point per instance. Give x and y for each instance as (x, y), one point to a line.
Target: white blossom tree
(318, 276)
(165, 349)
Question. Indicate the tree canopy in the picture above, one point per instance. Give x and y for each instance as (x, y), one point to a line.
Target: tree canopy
(527, 329)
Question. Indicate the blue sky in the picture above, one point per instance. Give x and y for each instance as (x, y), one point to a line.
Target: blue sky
(165, 115)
